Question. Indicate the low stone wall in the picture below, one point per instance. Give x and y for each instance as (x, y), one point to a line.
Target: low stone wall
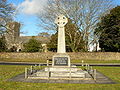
(95, 56)
(73, 56)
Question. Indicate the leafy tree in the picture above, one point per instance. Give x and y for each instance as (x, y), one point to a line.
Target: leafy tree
(52, 45)
(2, 44)
(33, 45)
(108, 31)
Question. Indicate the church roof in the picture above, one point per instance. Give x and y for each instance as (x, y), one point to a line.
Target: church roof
(43, 40)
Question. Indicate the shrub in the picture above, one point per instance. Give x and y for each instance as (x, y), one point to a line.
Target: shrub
(32, 45)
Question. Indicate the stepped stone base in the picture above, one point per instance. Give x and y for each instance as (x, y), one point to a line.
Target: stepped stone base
(100, 79)
(63, 69)
(60, 72)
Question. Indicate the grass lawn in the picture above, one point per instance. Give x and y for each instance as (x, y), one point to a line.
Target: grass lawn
(7, 72)
(96, 61)
(22, 60)
(44, 61)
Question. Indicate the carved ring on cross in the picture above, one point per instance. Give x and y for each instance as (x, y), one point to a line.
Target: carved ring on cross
(61, 20)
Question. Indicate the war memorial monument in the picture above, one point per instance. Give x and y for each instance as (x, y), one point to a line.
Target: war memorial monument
(61, 70)
(61, 66)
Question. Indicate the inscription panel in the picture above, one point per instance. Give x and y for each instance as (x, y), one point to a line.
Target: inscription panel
(61, 61)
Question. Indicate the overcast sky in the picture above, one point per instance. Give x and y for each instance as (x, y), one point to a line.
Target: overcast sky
(27, 11)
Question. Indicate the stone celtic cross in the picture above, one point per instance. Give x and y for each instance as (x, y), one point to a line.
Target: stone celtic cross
(61, 21)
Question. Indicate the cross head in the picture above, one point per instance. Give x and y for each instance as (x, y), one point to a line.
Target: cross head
(61, 20)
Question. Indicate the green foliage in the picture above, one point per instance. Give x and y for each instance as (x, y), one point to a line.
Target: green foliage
(2, 45)
(52, 45)
(109, 31)
(32, 46)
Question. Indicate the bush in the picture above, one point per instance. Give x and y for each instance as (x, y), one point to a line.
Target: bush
(2, 45)
(32, 45)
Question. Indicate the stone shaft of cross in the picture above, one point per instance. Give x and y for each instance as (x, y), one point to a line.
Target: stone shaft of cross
(61, 40)
(61, 21)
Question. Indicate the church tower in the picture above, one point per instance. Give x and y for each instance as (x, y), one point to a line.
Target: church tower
(13, 33)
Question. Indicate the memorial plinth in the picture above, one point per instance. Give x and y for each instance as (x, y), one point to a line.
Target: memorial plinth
(61, 60)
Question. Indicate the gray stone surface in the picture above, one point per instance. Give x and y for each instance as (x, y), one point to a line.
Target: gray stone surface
(61, 59)
(63, 69)
(61, 72)
(101, 79)
(44, 64)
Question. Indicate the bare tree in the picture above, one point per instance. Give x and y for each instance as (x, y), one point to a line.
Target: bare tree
(84, 13)
(6, 14)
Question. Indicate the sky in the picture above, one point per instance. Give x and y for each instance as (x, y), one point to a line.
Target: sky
(27, 15)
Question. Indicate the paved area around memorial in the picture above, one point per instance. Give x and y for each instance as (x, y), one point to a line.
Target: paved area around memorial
(100, 79)
(44, 64)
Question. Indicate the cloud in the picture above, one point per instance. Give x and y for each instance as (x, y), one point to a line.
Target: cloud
(31, 7)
